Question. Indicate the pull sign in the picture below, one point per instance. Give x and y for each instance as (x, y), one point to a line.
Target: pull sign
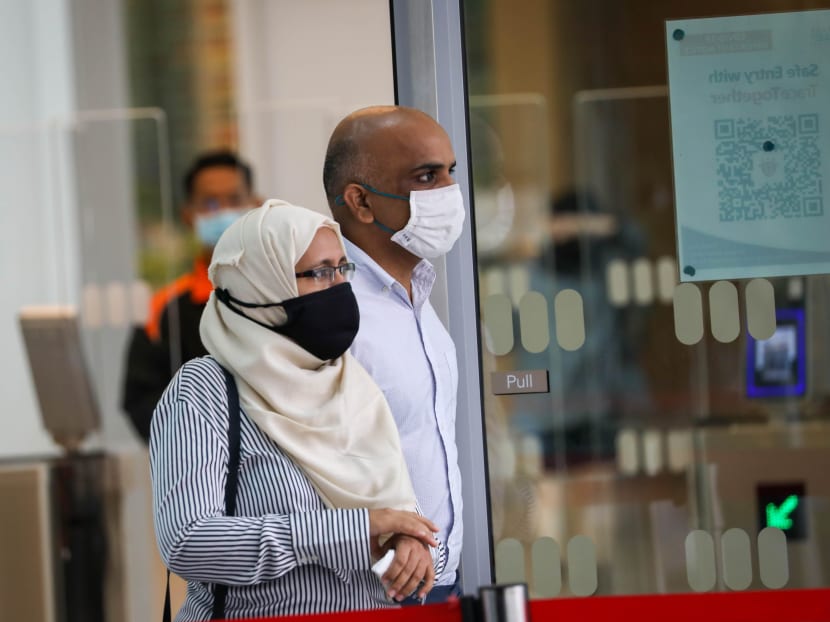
(524, 381)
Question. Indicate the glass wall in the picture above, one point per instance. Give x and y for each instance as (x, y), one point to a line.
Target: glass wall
(643, 436)
(108, 104)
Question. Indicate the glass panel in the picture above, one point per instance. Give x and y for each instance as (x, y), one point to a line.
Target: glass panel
(107, 106)
(104, 215)
(685, 426)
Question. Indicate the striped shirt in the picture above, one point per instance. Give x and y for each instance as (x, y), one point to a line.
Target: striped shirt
(284, 552)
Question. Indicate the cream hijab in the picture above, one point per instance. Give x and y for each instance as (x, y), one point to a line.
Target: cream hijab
(328, 416)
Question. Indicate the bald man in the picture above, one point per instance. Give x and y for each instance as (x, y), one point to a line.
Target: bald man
(388, 180)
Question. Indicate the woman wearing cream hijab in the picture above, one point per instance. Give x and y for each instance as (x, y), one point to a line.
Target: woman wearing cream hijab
(323, 490)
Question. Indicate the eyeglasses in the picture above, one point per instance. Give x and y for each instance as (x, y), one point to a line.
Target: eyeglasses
(326, 273)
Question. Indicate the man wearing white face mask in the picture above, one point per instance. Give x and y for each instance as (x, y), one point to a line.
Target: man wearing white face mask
(218, 189)
(388, 179)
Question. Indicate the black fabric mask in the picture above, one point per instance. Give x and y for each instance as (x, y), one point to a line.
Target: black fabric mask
(323, 323)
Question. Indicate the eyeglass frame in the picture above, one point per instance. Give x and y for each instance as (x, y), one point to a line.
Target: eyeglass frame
(346, 270)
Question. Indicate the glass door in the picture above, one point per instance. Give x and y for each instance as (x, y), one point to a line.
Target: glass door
(641, 435)
(671, 449)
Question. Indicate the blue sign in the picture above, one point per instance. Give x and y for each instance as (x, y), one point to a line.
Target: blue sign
(776, 367)
(751, 149)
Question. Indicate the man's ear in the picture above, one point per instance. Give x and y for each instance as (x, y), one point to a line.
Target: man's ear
(356, 199)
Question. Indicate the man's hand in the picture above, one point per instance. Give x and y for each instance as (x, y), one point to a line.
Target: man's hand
(410, 570)
(386, 522)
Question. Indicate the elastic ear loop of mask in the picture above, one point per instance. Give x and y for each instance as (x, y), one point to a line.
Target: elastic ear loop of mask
(389, 195)
(225, 297)
(338, 200)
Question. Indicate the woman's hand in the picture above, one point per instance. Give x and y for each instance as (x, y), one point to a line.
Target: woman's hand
(387, 522)
(410, 570)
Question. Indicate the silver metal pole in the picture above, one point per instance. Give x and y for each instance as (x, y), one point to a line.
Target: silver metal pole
(430, 75)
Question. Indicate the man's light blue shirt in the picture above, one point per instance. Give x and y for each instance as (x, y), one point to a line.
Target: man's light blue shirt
(410, 355)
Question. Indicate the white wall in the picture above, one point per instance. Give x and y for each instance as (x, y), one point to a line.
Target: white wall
(301, 67)
(67, 221)
(35, 62)
(66, 190)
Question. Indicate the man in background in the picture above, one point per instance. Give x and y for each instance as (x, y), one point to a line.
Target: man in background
(602, 382)
(388, 180)
(218, 189)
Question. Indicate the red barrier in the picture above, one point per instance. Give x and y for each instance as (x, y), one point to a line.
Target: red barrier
(449, 612)
(761, 606)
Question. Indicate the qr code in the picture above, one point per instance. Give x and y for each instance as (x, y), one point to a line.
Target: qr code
(769, 168)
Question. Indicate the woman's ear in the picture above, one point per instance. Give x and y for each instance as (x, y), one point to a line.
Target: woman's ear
(356, 199)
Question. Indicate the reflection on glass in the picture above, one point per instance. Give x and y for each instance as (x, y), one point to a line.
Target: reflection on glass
(674, 403)
(776, 366)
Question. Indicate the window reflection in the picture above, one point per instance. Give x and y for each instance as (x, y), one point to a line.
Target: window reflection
(650, 429)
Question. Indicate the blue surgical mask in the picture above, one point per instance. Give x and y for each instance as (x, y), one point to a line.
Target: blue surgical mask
(210, 227)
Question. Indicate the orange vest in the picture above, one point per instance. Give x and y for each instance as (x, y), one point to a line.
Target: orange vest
(196, 281)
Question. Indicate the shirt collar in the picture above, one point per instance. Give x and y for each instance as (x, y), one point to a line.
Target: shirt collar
(423, 276)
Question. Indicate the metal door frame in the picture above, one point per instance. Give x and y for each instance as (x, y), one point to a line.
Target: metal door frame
(430, 74)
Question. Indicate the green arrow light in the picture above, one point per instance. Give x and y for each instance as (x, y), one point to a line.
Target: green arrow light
(779, 517)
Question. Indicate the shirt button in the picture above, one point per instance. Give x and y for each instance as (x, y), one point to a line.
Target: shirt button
(385, 289)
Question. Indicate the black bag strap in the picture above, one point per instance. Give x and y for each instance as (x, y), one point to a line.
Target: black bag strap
(220, 592)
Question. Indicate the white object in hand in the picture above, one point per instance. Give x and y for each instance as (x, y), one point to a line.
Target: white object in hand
(382, 565)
